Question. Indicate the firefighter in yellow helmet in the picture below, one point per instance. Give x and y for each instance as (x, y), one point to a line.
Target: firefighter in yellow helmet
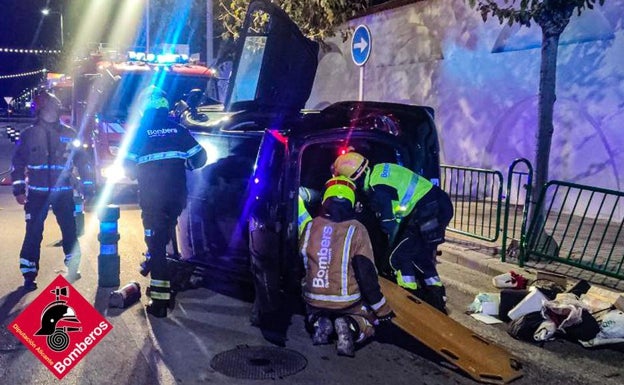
(340, 288)
(414, 214)
(158, 156)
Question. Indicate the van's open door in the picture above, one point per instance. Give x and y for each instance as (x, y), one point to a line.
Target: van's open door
(275, 64)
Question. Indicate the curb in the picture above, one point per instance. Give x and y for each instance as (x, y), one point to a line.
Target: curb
(479, 261)
(490, 265)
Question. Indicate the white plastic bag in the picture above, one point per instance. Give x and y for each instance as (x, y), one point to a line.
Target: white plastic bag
(612, 325)
(486, 303)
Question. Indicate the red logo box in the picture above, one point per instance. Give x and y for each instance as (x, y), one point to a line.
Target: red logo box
(60, 327)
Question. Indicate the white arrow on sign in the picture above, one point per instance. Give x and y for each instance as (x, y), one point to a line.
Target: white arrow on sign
(361, 45)
(8, 99)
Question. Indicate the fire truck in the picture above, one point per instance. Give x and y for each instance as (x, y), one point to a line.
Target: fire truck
(61, 85)
(105, 84)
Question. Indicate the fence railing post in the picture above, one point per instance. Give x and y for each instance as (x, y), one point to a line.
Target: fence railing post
(525, 206)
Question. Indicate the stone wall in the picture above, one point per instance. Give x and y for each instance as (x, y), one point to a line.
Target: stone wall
(482, 80)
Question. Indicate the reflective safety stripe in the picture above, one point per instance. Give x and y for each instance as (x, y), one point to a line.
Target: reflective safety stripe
(62, 188)
(132, 157)
(306, 240)
(160, 283)
(379, 304)
(159, 295)
(344, 290)
(333, 298)
(19, 182)
(27, 266)
(433, 281)
(409, 193)
(407, 281)
(194, 150)
(25, 270)
(162, 156)
(46, 167)
(26, 262)
(303, 217)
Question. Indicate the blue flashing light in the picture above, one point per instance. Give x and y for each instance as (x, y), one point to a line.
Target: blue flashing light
(167, 58)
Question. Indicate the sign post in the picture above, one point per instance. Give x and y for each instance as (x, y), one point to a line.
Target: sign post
(361, 44)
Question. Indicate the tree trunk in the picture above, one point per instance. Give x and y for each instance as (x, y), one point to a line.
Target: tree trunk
(547, 97)
(553, 19)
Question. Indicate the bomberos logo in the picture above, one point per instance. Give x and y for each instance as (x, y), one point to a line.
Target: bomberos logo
(60, 327)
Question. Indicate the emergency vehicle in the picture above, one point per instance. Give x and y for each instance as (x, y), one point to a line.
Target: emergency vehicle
(61, 86)
(262, 146)
(105, 84)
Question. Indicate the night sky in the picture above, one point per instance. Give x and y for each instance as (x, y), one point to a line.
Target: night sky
(22, 25)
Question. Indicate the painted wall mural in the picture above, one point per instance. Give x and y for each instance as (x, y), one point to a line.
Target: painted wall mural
(482, 80)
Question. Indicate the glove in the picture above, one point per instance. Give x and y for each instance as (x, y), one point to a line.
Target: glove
(21, 199)
(19, 189)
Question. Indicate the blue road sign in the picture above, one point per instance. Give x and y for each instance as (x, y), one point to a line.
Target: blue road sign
(361, 45)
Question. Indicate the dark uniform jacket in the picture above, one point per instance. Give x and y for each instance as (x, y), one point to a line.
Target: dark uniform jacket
(158, 157)
(46, 154)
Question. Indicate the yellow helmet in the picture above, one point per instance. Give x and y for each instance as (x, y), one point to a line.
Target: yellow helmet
(351, 165)
(340, 187)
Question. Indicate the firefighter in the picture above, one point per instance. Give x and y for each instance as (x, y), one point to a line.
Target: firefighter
(414, 214)
(42, 172)
(158, 157)
(340, 288)
(307, 197)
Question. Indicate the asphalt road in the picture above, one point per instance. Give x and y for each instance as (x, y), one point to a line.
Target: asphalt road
(179, 349)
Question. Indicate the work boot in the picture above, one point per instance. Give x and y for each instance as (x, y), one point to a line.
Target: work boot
(436, 297)
(73, 265)
(157, 308)
(345, 345)
(29, 282)
(323, 328)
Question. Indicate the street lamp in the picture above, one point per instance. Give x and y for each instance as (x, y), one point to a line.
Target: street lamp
(46, 12)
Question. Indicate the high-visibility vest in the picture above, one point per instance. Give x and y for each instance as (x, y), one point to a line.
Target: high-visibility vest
(410, 186)
(303, 217)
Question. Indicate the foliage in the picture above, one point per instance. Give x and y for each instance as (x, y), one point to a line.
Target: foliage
(523, 11)
(317, 19)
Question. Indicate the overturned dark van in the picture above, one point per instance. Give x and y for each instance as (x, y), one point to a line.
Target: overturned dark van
(240, 225)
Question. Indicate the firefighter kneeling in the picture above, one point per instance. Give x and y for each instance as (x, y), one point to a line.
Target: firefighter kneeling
(157, 157)
(341, 288)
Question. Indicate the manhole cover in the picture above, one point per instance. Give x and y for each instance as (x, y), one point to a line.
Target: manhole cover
(258, 362)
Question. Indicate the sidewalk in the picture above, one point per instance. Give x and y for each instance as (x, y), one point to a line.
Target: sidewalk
(467, 269)
(486, 259)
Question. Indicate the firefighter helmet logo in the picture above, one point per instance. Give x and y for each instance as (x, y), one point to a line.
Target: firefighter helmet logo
(60, 327)
(52, 318)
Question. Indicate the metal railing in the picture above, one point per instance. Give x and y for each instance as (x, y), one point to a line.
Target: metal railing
(517, 198)
(580, 226)
(476, 195)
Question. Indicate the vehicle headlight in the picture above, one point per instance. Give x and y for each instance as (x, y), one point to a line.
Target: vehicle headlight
(113, 173)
